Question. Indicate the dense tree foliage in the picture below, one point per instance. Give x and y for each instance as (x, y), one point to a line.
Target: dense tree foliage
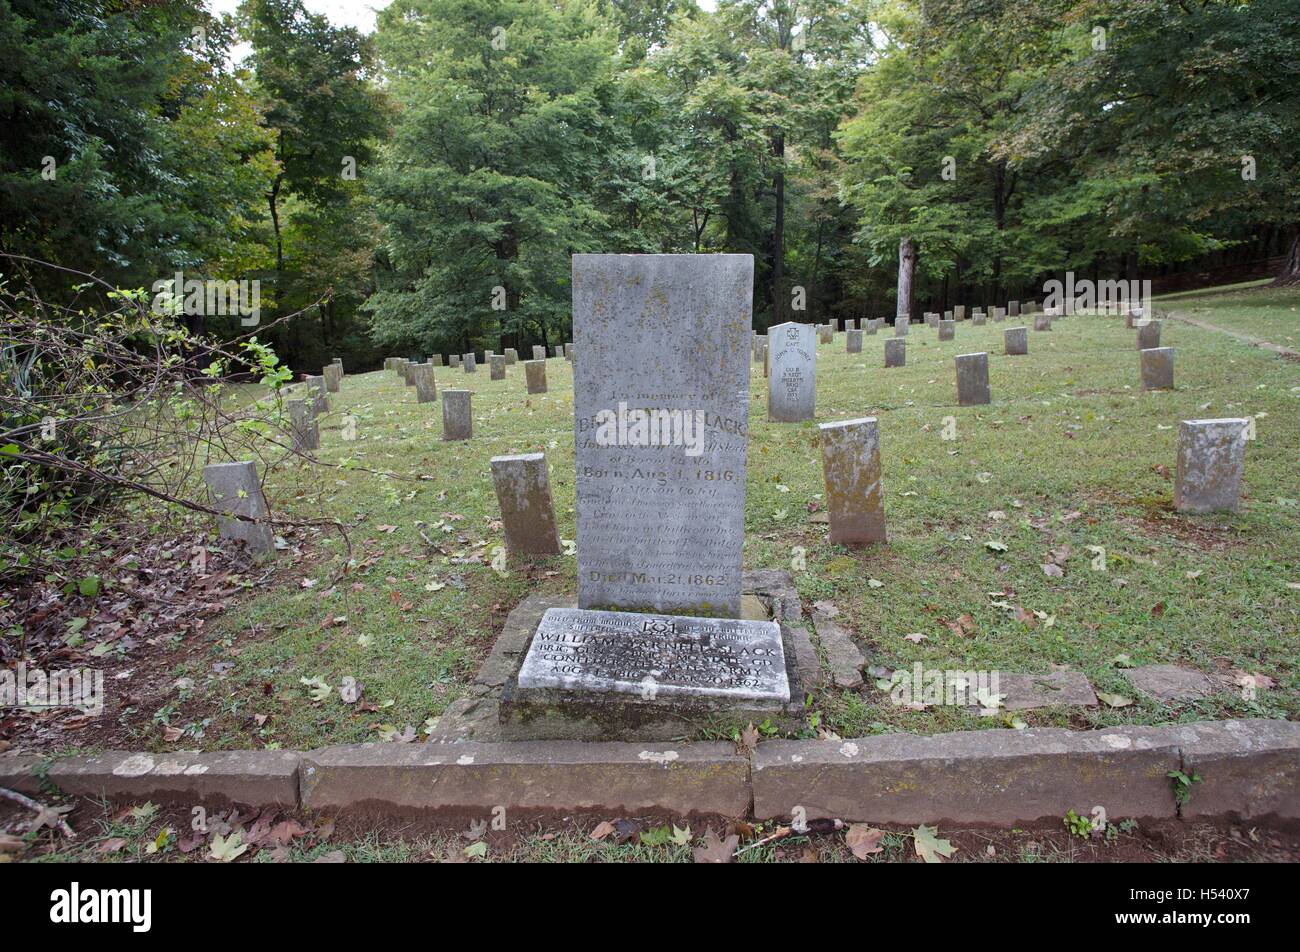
(424, 188)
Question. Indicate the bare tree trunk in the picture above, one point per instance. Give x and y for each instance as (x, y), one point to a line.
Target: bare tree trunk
(906, 269)
(1291, 270)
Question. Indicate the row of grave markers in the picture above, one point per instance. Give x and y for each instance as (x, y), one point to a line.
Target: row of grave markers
(1209, 469)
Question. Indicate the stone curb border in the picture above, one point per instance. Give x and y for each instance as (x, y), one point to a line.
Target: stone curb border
(1247, 769)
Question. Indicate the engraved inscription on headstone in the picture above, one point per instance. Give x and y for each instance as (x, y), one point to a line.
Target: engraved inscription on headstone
(792, 373)
(661, 413)
(623, 652)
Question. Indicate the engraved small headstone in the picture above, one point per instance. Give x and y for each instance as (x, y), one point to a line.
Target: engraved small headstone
(895, 352)
(792, 379)
(535, 375)
(1016, 341)
(972, 379)
(1211, 458)
(233, 488)
(524, 495)
(851, 470)
(457, 420)
(1158, 368)
(426, 391)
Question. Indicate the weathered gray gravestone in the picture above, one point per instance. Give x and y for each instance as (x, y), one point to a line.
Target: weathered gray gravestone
(972, 379)
(999, 315)
(233, 488)
(851, 469)
(303, 426)
(1016, 341)
(469, 363)
(457, 419)
(947, 315)
(660, 496)
(568, 351)
(436, 360)
(853, 341)
(497, 367)
(316, 391)
(792, 373)
(1013, 308)
(873, 326)
(454, 360)
(959, 312)
(900, 326)
(557, 351)
(426, 391)
(512, 356)
(524, 495)
(977, 317)
(763, 358)
(1042, 322)
(851, 324)
(539, 352)
(1148, 335)
(1158, 368)
(895, 352)
(535, 375)
(1211, 457)
(947, 330)
(333, 378)
(825, 334)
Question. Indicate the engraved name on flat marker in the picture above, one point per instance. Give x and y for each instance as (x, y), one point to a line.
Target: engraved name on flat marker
(623, 652)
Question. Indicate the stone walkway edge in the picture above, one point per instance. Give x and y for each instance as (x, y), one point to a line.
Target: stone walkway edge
(1245, 770)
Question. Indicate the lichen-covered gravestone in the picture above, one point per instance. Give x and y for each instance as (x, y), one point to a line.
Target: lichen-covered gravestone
(1158, 368)
(851, 469)
(535, 375)
(792, 373)
(1015, 341)
(1211, 458)
(457, 420)
(303, 426)
(527, 514)
(233, 488)
(972, 379)
(661, 411)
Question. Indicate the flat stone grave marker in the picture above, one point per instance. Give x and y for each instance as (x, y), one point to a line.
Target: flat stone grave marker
(497, 367)
(1211, 459)
(661, 410)
(233, 488)
(666, 656)
(457, 420)
(535, 375)
(1158, 368)
(792, 373)
(524, 495)
(895, 352)
(972, 379)
(1016, 341)
(851, 470)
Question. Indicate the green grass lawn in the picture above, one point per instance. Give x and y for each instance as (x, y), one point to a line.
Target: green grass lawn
(1070, 453)
(1272, 314)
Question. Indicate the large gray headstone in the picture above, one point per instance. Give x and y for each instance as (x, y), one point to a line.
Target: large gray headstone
(661, 527)
(792, 373)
